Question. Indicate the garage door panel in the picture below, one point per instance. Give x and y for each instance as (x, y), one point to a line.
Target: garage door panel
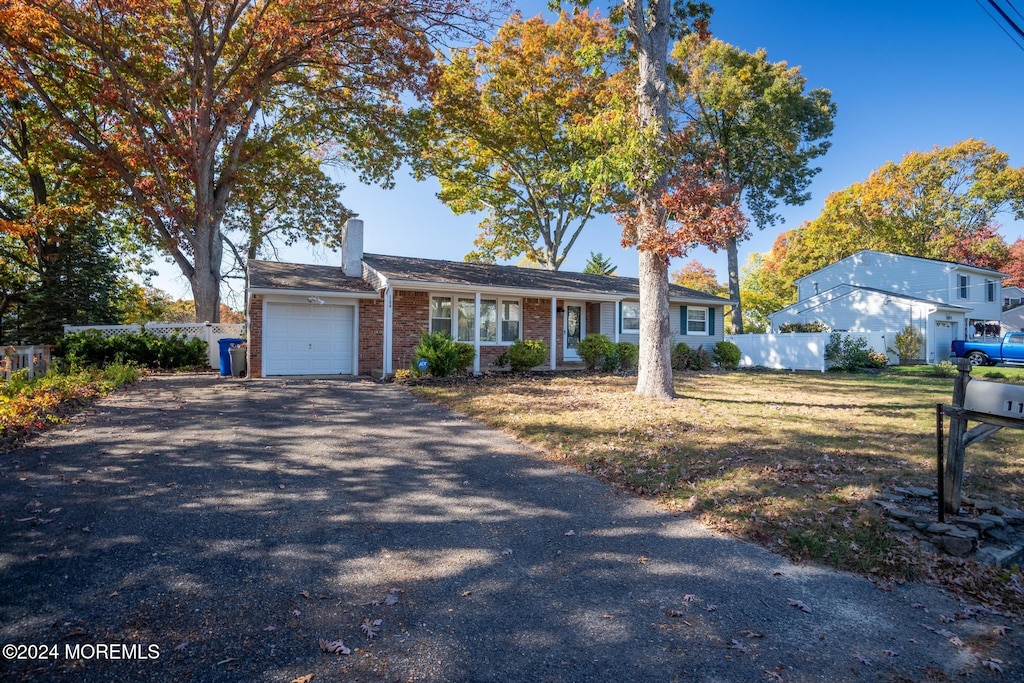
(303, 339)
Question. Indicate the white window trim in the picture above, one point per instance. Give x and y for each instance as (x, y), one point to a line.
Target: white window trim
(963, 287)
(704, 332)
(477, 297)
(622, 317)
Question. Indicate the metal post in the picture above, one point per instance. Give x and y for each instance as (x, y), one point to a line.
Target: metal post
(938, 451)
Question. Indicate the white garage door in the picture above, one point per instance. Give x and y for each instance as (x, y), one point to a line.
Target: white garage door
(945, 332)
(305, 339)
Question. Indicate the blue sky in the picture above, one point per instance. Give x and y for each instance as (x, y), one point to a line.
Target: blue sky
(905, 75)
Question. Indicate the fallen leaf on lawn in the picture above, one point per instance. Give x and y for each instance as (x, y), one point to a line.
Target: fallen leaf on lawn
(997, 631)
(304, 594)
(800, 606)
(711, 608)
(607, 616)
(773, 675)
(993, 664)
(862, 659)
(955, 641)
(570, 532)
(890, 653)
(302, 679)
(371, 628)
(181, 646)
(296, 613)
(751, 634)
(642, 559)
(53, 511)
(226, 661)
(269, 628)
(280, 486)
(689, 598)
(390, 599)
(506, 551)
(674, 613)
(775, 573)
(336, 647)
(736, 645)
(465, 594)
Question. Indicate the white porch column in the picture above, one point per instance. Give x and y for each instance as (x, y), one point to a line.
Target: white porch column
(617, 312)
(476, 334)
(554, 331)
(388, 316)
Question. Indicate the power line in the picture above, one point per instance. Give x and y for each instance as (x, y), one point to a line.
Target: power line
(1007, 18)
(999, 24)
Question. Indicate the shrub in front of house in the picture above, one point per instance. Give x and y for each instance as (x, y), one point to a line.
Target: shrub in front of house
(849, 353)
(727, 355)
(685, 357)
(595, 350)
(444, 355)
(90, 348)
(907, 344)
(626, 355)
(525, 354)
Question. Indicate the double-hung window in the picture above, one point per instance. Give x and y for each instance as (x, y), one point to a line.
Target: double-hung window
(696, 320)
(498, 320)
(630, 317)
(441, 314)
(990, 290)
(965, 287)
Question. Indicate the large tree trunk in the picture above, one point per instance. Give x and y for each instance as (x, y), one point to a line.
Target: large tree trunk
(654, 376)
(205, 276)
(736, 314)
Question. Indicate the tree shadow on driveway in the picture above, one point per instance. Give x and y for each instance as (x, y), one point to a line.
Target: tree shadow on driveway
(235, 524)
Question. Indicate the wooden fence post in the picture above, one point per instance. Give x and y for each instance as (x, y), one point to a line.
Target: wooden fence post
(955, 449)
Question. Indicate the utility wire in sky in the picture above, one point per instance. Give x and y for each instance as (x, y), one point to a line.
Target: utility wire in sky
(1015, 33)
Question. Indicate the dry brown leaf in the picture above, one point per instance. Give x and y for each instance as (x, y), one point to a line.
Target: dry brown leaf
(335, 647)
(993, 664)
(304, 594)
(751, 634)
(862, 659)
(689, 597)
(800, 606)
(302, 679)
(371, 628)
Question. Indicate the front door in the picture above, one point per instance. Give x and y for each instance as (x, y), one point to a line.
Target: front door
(574, 324)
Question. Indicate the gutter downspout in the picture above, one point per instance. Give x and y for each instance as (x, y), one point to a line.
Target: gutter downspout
(387, 370)
(554, 330)
(476, 332)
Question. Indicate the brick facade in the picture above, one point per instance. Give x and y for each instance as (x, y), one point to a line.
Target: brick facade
(409, 320)
(371, 335)
(254, 360)
(537, 325)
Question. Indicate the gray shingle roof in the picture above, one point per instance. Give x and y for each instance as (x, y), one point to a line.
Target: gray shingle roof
(302, 276)
(403, 268)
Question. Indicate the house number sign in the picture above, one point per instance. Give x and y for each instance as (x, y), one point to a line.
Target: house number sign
(993, 398)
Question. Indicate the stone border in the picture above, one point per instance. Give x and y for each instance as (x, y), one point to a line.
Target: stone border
(984, 531)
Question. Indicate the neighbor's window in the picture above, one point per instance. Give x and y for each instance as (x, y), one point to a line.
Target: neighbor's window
(990, 290)
(965, 286)
(441, 314)
(467, 320)
(696, 321)
(488, 320)
(630, 316)
(509, 321)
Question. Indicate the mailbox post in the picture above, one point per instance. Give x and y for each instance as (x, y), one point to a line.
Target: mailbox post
(994, 405)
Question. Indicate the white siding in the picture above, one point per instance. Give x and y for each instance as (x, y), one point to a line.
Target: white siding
(705, 341)
(921, 278)
(608, 322)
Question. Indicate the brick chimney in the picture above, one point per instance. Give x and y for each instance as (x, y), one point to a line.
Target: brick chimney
(352, 248)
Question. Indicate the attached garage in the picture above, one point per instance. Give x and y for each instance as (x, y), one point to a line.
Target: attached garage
(308, 339)
(304, 319)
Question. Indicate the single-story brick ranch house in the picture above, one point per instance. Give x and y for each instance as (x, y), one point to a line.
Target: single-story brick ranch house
(367, 316)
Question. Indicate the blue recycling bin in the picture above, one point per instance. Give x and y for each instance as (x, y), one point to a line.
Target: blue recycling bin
(226, 344)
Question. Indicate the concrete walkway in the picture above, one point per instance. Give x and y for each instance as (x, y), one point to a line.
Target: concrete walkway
(235, 524)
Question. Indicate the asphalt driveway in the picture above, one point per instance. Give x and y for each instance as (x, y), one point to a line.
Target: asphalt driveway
(199, 529)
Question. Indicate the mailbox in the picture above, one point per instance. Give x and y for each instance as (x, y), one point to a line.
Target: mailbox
(994, 398)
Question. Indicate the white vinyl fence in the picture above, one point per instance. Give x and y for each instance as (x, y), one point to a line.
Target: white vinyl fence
(793, 350)
(211, 333)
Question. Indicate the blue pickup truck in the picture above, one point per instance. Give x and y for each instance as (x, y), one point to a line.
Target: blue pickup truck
(1009, 349)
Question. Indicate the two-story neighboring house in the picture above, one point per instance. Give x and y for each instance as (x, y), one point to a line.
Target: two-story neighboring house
(873, 291)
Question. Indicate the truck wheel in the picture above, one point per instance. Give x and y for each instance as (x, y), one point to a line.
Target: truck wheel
(977, 358)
